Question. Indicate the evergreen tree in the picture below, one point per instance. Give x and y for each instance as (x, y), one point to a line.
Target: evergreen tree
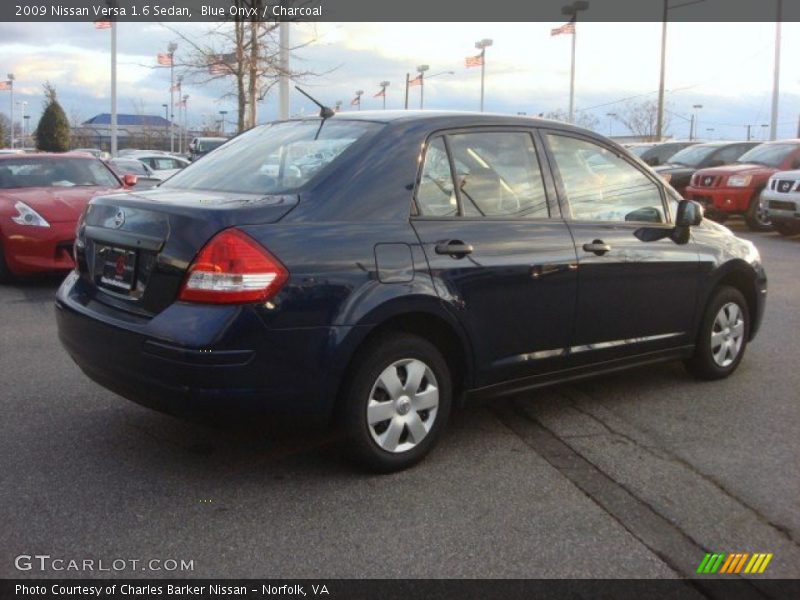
(52, 133)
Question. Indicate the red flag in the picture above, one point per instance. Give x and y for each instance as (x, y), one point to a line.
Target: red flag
(165, 60)
(5, 86)
(355, 101)
(416, 81)
(381, 93)
(102, 24)
(474, 61)
(565, 28)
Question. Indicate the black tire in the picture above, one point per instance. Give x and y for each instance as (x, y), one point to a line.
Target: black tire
(377, 356)
(702, 364)
(5, 273)
(755, 217)
(786, 229)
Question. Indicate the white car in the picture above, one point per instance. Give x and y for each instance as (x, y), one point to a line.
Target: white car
(781, 201)
(161, 165)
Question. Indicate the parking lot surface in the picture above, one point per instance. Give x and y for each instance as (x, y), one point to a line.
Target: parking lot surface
(637, 474)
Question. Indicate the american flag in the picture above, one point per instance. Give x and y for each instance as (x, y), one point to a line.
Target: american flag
(474, 61)
(416, 81)
(181, 103)
(565, 28)
(102, 24)
(176, 87)
(381, 93)
(165, 60)
(5, 85)
(355, 101)
(216, 69)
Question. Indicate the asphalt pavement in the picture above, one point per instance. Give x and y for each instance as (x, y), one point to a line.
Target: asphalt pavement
(636, 474)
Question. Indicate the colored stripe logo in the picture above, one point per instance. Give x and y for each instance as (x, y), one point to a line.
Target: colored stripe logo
(736, 562)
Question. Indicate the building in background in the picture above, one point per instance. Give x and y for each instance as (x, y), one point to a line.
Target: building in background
(149, 132)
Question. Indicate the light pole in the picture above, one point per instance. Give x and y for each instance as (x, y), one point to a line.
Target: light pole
(664, 14)
(776, 77)
(25, 128)
(384, 85)
(22, 106)
(693, 125)
(166, 119)
(421, 70)
(572, 10)
(359, 93)
(185, 104)
(222, 121)
(611, 116)
(710, 130)
(11, 79)
(764, 129)
(482, 45)
(171, 51)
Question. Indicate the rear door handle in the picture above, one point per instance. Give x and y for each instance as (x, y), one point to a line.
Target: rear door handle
(454, 248)
(599, 247)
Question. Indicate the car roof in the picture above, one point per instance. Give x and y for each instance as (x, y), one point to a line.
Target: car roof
(48, 155)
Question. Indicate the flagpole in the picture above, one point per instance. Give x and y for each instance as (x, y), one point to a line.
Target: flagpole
(171, 49)
(405, 106)
(114, 88)
(483, 73)
(572, 73)
(11, 90)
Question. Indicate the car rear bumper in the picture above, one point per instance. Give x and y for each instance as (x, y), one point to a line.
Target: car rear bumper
(727, 200)
(230, 365)
(38, 249)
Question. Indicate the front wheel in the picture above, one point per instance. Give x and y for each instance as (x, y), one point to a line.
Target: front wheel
(397, 401)
(756, 216)
(786, 229)
(723, 334)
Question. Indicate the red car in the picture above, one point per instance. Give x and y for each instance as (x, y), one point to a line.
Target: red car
(41, 198)
(735, 188)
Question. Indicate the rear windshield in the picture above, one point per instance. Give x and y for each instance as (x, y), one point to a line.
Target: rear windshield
(770, 155)
(693, 155)
(639, 150)
(30, 172)
(271, 159)
(208, 145)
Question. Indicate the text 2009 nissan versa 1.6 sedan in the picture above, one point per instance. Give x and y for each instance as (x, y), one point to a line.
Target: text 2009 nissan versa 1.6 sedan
(375, 269)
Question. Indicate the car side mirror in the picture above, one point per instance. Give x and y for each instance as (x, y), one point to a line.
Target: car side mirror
(689, 214)
(129, 180)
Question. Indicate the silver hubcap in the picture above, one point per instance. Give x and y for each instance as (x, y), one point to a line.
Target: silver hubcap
(727, 334)
(402, 405)
(761, 215)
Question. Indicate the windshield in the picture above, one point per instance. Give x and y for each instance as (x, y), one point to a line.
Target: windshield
(208, 145)
(54, 172)
(692, 156)
(639, 150)
(271, 159)
(770, 155)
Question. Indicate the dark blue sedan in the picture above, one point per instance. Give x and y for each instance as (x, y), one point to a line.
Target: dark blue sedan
(375, 269)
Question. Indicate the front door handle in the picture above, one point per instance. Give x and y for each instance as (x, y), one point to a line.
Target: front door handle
(454, 248)
(599, 247)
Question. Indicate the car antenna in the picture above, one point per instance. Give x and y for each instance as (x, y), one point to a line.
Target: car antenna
(324, 111)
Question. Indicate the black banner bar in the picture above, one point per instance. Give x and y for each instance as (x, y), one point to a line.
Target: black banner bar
(402, 11)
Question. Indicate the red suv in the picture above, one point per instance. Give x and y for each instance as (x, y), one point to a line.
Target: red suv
(735, 188)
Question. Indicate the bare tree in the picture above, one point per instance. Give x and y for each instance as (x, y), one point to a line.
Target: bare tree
(243, 52)
(582, 118)
(79, 138)
(5, 129)
(640, 118)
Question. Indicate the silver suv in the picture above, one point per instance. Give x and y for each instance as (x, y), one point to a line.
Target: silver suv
(781, 201)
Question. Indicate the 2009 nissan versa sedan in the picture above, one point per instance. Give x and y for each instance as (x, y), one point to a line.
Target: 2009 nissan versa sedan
(374, 269)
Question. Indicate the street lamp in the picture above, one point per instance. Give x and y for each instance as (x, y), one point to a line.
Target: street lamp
(572, 10)
(22, 106)
(611, 116)
(384, 85)
(25, 128)
(664, 15)
(166, 119)
(693, 124)
(482, 45)
(11, 80)
(710, 130)
(171, 51)
(421, 70)
(222, 120)
(359, 93)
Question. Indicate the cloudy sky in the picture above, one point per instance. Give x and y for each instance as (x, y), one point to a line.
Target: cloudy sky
(726, 67)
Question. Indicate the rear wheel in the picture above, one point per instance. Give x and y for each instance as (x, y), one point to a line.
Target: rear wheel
(756, 215)
(5, 273)
(787, 229)
(396, 402)
(723, 334)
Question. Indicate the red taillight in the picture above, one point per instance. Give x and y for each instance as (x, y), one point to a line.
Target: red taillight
(233, 268)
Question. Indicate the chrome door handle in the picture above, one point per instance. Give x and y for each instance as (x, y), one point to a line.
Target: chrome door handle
(454, 248)
(599, 247)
